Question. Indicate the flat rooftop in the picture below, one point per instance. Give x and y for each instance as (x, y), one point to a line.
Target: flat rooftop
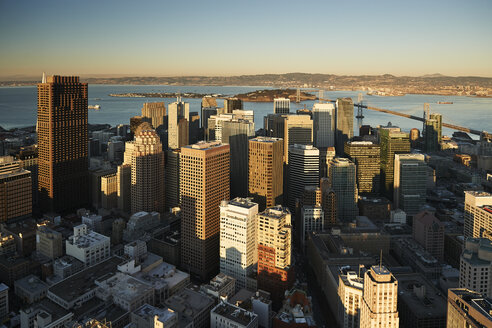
(242, 202)
(189, 303)
(266, 139)
(83, 281)
(234, 313)
(31, 283)
(148, 311)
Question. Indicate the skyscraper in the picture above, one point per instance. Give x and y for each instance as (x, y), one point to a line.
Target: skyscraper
(324, 125)
(230, 104)
(266, 171)
(178, 125)
(476, 266)
(208, 108)
(15, 190)
(367, 157)
(328, 203)
(298, 129)
(281, 106)
(428, 231)
(237, 133)
(478, 214)
(303, 171)
(392, 141)
(275, 273)
(173, 195)
(379, 301)
(467, 308)
(238, 246)
(433, 132)
(350, 290)
(62, 143)
(154, 113)
(410, 186)
(204, 184)
(342, 180)
(344, 123)
(147, 182)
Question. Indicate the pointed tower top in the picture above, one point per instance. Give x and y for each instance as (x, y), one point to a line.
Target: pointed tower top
(43, 80)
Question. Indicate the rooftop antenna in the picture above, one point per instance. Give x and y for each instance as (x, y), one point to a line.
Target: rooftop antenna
(380, 260)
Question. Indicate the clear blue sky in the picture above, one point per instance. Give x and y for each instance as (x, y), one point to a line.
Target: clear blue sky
(245, 37)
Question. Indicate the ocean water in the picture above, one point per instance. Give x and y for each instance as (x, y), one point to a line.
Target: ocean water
(18, 106)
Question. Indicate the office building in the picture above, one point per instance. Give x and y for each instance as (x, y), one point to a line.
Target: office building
(298, 129)
(238, 245)
(208, 108)
(28, 158)
(49, 242)
(266, 171)
(172, 168)
(324, 125)
(226, 315)
(109, 191)
(231, 104)
(328, 203)
(140, 223)
(195, 133)
(154, 113)
(303, 172)
(275, 273)
(204, 184)
(410, 182)
(296, 311)
(4, 302)
(392, 141)
(281, 106)
(342, 180)
(193, 308)
(350, 291)
(433, 132)
(478, 214)
(62, 144)
(118, 227)
(124, 180)
(344, 123)
(428, 231)
(414, 137)
(15, 190)
(7, 244)
(366, 156)
(213, 131)
(30, 289)
(312, 219)
(148, 316)
(87, 246)
(467, 308)
(325, 156)
(476, 266)
(237, 133)
(379, 302)
(178, 124)
(147, 172)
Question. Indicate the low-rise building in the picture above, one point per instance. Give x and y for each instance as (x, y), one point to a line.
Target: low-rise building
(88, 246)
(139, 223)
(192, 307)
(148, 316)
(124, 290)
(30, 289)
(476, 266)
(296, 311)
(221, 286)
(49, 242)
(225, 315)
(7, 244)
(4, 301)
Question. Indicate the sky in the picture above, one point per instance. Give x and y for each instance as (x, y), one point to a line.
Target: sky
(224, 38)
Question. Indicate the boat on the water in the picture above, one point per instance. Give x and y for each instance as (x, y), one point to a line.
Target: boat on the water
(95, 107)
(445, 102)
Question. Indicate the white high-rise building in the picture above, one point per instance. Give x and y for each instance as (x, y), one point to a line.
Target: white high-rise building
(478, 214)
(378, 308)
(324, 125)
(350, 291)
(312, 217)
(238, 241)
(476, 266)
(281, 105)
(178, 132)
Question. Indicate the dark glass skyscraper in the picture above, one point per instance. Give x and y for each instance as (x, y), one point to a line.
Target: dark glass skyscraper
(344, 123)
(62, 143)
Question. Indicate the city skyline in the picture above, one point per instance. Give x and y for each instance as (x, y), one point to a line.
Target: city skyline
(191, 38)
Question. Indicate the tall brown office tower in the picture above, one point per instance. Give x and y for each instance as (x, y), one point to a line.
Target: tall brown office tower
(155, 113)
(62, 143)
(204, 184)
(147, 177)
(266, 175)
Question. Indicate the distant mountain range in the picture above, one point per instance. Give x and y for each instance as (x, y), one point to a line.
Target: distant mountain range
(431, 83)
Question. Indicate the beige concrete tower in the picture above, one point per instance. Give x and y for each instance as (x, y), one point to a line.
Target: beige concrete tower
(298, 129)
(147, 191)
(204, 184)
(155, 113)
(178, 124)
(378, 307)
(265, 176)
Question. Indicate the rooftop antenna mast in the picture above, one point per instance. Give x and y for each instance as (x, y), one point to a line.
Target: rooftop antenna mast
(380, 260)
